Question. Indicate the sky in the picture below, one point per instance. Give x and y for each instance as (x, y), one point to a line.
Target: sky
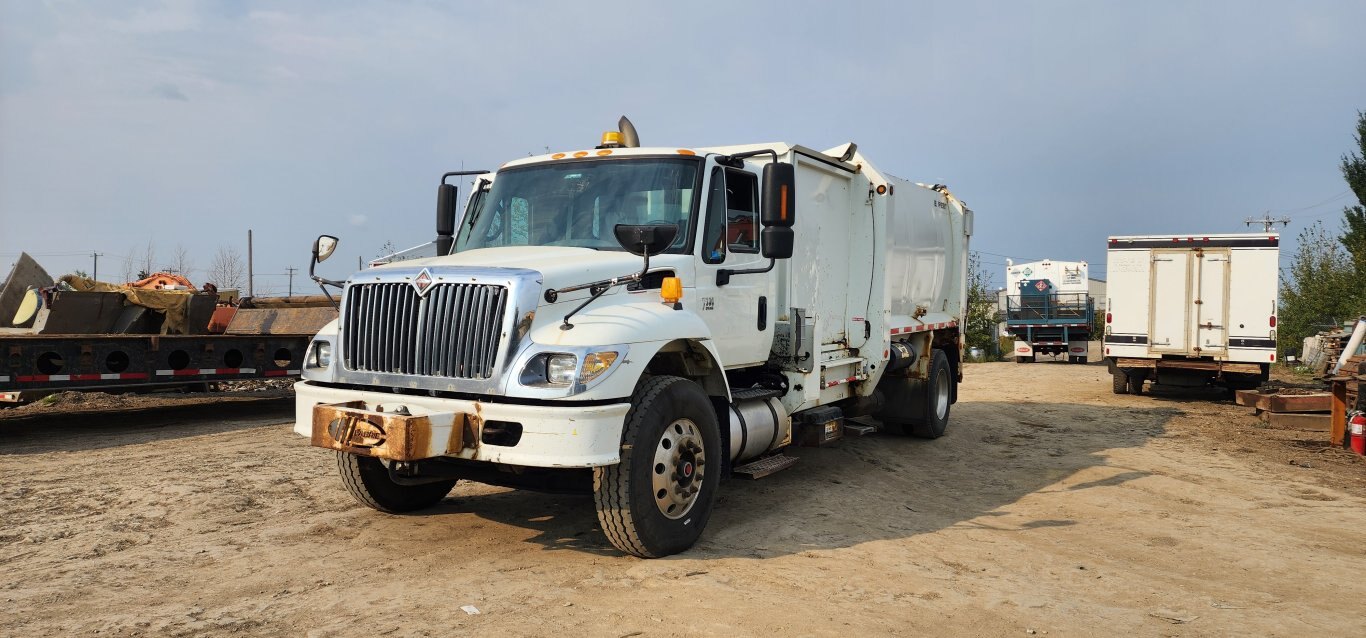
(184, 124)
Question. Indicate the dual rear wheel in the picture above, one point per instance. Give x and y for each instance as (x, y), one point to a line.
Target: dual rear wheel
(921, 407)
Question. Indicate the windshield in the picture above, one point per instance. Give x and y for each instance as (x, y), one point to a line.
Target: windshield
(578, 203)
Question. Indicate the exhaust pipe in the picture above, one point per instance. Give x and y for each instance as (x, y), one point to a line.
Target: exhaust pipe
(629, 139)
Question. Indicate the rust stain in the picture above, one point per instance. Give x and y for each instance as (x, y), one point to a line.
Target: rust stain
(524, 325)
(349, 427)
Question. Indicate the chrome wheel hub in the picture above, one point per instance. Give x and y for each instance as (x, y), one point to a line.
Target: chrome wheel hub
(680, 463)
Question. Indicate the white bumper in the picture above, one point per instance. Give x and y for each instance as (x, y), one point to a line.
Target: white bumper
(552, 435)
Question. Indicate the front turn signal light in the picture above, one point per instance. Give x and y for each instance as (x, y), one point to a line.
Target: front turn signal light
(595, 364)
(671, 290)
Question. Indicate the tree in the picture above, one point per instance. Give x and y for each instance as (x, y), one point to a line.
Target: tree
(980, 324)
(181, 263)
(1314, 294)
(1354, 223)
(146, 261)
(227, 270)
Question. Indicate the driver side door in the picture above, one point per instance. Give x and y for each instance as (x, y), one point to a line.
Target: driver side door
(739, 312)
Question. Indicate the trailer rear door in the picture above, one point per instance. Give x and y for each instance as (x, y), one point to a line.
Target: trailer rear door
(1171, 299)
(1211, 301)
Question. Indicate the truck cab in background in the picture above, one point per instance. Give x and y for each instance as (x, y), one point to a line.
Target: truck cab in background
(639, 323)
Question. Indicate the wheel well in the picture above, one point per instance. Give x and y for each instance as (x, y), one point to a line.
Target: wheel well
(690, 360)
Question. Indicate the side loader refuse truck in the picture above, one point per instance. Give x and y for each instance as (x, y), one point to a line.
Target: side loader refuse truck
(640, 323)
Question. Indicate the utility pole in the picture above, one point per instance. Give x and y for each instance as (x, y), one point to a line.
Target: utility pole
(95, 271)
(250, 281)
(291, 270)
(1268, 222)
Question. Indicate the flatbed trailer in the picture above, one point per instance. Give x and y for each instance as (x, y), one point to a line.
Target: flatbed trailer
(34, 363)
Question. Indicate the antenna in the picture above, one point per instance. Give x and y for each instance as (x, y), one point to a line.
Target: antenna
(1267, 221)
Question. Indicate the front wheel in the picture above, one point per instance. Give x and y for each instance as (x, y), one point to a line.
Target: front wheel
(656, 501)
(368, 480)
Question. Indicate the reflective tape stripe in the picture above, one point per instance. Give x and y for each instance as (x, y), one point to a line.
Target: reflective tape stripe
(923, 327)
(196, 372)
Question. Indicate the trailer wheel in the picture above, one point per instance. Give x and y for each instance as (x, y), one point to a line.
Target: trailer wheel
(367, 479)
(1136, 383)
(1121, 382)
(656, 501)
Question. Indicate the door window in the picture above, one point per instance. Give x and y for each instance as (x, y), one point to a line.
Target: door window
(714, 236)
(742, 212)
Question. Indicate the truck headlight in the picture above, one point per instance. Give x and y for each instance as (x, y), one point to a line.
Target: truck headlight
(560, 369)
(322, 355)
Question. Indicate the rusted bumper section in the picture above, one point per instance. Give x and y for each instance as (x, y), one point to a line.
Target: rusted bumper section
(350, 427)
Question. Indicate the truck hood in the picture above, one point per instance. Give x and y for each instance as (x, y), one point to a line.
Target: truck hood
(559, 266)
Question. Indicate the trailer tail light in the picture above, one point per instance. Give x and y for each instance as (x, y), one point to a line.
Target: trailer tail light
(1273, 321)
(1110, 318)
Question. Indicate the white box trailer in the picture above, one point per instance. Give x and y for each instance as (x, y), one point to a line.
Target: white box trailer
(1191, 310)
(640, 322)
(1049, 309)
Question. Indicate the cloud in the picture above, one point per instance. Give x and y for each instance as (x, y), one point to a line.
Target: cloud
(357, 220)
(170, 92)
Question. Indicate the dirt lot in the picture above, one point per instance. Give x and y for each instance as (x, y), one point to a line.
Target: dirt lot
(1051, 507)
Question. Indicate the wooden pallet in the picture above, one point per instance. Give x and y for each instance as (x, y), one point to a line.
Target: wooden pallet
(1274, 402)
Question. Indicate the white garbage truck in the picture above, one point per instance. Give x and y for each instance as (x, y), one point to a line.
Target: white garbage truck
(1191, 310)
(638, 323)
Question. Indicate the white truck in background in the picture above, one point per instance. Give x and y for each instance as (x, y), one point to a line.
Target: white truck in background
(1191, 310)
(1049, 309)
(639, 323)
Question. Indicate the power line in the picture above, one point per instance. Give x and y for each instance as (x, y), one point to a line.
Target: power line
(1326, 201)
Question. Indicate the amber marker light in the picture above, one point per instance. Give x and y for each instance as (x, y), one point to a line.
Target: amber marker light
(684, 151)
(595, 364)
(581, 154)
(671, 290)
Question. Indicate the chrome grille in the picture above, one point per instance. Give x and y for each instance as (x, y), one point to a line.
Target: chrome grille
(454, 331)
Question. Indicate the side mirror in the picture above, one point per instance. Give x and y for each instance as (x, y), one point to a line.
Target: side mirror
(778, 242)
(446, 194)
(323, 247)
(645, 240)
(779, 192)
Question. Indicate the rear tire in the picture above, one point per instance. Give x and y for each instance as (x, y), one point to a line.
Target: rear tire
(657, 500)
(1121, 381)
(925, 414)
(367, 479)
(1136, 383)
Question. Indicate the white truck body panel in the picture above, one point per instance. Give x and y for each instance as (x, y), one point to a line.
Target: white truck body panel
(1067, 276)
(1208, 296)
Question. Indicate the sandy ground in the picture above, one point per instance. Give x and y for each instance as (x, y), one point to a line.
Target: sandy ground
(1052, 507)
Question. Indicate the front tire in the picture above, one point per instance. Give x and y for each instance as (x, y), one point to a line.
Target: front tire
(657, 500)
(368, 480)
